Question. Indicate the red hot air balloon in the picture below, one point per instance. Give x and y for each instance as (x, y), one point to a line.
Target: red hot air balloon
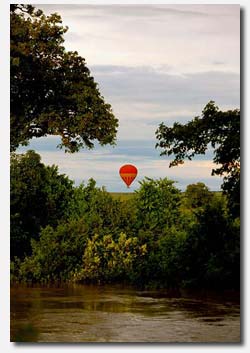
(128, 173)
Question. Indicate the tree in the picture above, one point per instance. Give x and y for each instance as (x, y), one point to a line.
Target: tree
(52, 92)
(215, 128)
(57, 254)
(157, 205)
(210, 255)
(197, 195)
(39, 196)
(101, 212)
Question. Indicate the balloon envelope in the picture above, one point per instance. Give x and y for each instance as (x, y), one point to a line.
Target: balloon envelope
(128, 173)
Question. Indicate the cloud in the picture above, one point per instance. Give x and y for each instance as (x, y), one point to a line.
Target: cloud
(105, 169)
(153, 64)
(143, 97)
(126, 11)
(103, 164)
(149, 85)
(186, 37)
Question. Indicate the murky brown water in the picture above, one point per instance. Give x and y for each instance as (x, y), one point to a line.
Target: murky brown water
(115, 314)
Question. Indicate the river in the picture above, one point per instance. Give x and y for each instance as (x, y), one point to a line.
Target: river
(83, 313)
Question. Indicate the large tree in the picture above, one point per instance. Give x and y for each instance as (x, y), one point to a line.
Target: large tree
(217, 129)
(39, 196)
(52, 92)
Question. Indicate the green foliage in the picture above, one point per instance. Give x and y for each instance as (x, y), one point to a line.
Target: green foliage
(193, 201)
(211, 256)
(219, 129)
(169, 257)
(107, 260)
(160, 237)
(157, 210)
(39, 196)
(157, 205)
(196, 196)
(57, 254)
(51, 90)
(102, 213)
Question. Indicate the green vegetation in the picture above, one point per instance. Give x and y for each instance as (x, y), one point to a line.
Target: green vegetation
(52, 91)
(123, 196)
(157, 237)
(39, 196)
(217, 129)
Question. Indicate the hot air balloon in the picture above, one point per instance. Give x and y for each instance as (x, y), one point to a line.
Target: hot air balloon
(128, 173)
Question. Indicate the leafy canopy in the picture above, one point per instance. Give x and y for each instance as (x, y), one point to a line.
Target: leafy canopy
(52, 92)
(157, 204)
(39, 196)
(221, 130)
(190, 241)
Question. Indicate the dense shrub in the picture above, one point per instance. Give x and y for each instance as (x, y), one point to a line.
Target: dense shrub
(57, 254)
(211, 252)
(101, 212)
(107, 260)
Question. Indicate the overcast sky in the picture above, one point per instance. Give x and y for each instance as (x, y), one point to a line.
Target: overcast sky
(153, 64)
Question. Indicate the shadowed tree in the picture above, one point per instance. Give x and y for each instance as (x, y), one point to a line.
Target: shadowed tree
(52, 92)
(39, 196)
(215, 128)
(197, 195)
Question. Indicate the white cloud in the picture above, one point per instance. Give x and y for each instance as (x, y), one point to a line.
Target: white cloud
(103, 165)
(153, 63)
(185, 37)
(143, 97)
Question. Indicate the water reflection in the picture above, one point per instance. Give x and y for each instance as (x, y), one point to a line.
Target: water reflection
(115, 314)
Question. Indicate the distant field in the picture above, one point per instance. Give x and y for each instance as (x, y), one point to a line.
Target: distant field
(123, 196)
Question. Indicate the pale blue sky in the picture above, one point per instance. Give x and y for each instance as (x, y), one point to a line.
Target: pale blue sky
(153, 64)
